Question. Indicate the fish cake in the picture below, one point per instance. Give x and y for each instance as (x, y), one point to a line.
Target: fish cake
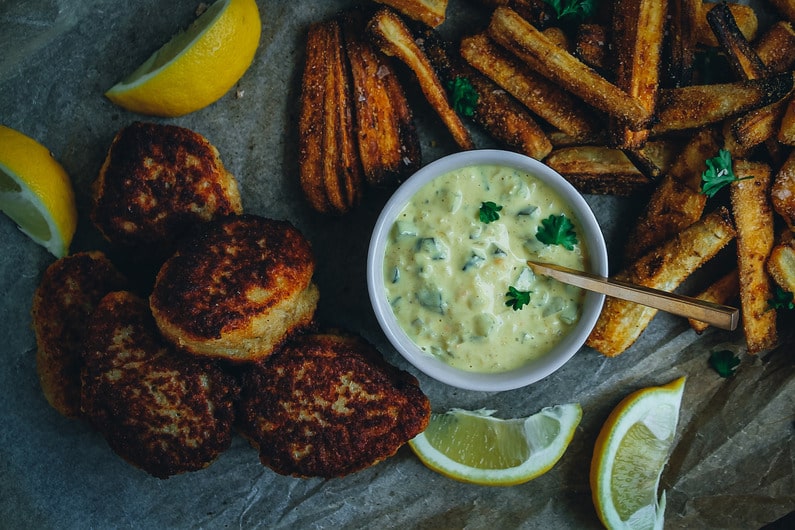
(237, 289)
(70, 289)
(156, 182)
(160, 410)
(327, 405)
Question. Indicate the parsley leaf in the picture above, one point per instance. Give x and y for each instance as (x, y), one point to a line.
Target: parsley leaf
(517, 299)
(781, 299)
(557, 230)
(577, 10)
(463, 96)
(489, 212)
(724, 362)
(718, 174)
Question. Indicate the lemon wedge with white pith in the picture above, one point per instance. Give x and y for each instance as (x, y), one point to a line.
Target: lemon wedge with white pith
(197, 66)
(630, 453)
(35, 192)
(475, 447)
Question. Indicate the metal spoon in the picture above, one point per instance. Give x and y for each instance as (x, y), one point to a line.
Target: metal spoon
(721, 316)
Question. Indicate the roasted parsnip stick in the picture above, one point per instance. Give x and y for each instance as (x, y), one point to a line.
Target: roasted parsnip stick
(538, 94)
(697, 106)
(394, 38)
(782, 194)
(665, 267)
(776, 47)
(786, 8)
(520, 37)
(753, 216)
(682, 41)
(722, 291)
(781, 266)
(742, 57)
(744, 16)
(429, 12)
(786, 131)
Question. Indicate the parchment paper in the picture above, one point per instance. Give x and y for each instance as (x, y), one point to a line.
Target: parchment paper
(732, 465)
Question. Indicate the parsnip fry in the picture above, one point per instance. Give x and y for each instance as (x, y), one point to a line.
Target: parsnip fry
(782, 194)
(388, 142)
(590, 45)
(697, 106)
(742, 57)
(786, 131)
(329, 168)
(677, 202)
(394, 38)
(430, 12)
(786, 8)
(744, 16)
(665, 267)
(682, 41)
(510, 30)
(781, 266)
(638, 29)
(502, 116)
(753, 216)
(776, 47)
(542, 97)
(722, 291)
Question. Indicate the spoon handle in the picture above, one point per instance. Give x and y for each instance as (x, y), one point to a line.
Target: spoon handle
(721, 316)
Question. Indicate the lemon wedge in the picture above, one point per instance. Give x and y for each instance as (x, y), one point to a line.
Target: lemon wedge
(35, 192)
(475, 447)
(196, 67)
(631, 451)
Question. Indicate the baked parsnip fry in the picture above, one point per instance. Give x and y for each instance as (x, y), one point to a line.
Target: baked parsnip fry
(786, 130)
(510, 30)
(744, 16)
(429, 12)
(758, 125)
(603, 170)
(394, 38)
(753, 216)
(776, 47)
(742, 57)
(590, 45)
(542, 97)
(782, 194)
(665, 267)
(722, 291)
(677, 202)
(638, 30)
(388, 143)
(786, 8)
(682, 41)
(697, 106)
(781, 266)
(504, 118)
(329, 167)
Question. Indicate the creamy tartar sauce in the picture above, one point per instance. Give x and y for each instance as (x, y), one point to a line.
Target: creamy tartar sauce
(447, 272)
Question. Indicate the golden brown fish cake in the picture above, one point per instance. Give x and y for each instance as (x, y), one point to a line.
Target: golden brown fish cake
(162, 411)
(327, 405)
(157, 181)
(69, 291)
(237, 289)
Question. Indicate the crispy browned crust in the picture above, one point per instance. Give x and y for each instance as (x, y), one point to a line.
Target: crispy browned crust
(776, 47)
(638, 31)
(786, 130)
(327, 405)
(677, 201)
(744, 16)
(510, 30)
(163, 412)
(785, 7)
(742, 57)
(697, 106)
(590, 45)
(542, 97)
(722, 291)
(782, 193)
(236, 289)
(753, 216)
(389, 147)
(329, 167)
(664, 267)
(156, 182)
(430, 12)
(500, 115)
(69, 291)
(390, 33)
(683, 33)
(781, 266)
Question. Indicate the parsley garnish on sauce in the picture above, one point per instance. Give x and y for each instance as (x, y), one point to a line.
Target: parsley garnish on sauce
(489, 212)
(718, 174)
(517, 299)
(463, 96)
(578, 10)
(781, 299)
(724, 362)
(557, 230)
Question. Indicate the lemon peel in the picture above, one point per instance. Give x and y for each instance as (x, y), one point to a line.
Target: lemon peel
(36, 192)
(475, 447)
(196, 67)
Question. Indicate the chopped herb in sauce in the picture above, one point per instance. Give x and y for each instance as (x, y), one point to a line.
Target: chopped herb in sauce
(557, 230)
(517, 299)
(489, 212)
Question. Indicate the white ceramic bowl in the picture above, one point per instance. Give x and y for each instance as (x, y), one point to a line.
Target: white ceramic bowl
(438, 369)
